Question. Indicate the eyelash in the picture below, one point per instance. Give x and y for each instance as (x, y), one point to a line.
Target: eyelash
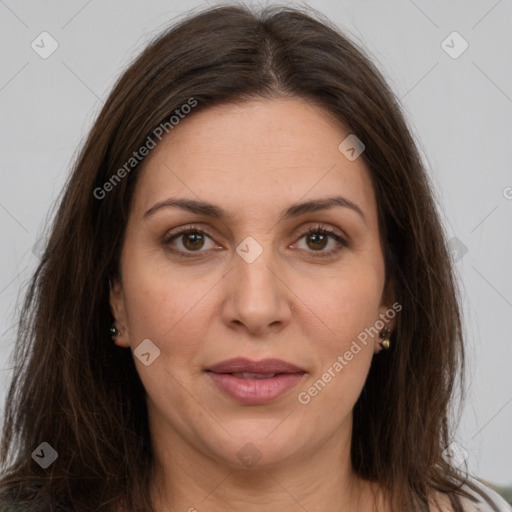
(318, 229)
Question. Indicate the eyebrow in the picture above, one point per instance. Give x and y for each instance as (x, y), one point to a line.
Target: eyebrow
(295, 210)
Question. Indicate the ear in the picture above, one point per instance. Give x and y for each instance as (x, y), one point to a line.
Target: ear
(388, 311)
(118, 309)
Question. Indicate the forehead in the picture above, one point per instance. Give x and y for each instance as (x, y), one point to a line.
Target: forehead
(254, 156)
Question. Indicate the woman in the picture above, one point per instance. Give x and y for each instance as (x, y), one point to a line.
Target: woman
(246, 301)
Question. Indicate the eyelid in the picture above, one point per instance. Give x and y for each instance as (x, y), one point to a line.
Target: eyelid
(182, 230)
(319, 226)
(338, 235)
(341, 239)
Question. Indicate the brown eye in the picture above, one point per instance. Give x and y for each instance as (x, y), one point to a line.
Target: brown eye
(317, 241)
(188, 241)
(193, 240)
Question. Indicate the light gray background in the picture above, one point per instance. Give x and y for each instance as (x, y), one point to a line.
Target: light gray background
(461, 111)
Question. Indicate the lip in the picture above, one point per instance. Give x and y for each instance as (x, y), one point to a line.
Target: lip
(242, 364)
(255, 391)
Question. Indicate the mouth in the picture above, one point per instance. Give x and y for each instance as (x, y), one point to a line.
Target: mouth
(249, 375)
(253, 382)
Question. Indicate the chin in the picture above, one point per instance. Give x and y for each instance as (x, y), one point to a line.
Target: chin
(257, 448)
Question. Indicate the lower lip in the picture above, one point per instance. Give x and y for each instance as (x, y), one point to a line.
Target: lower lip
(255, 391)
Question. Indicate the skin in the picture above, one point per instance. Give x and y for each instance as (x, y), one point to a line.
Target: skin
(253, 159)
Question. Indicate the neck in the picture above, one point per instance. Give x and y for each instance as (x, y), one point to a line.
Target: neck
(319, 479)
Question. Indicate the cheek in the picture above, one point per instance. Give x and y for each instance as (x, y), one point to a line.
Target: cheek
(173, 309)
(342, 305)
(161, 298)
(166, 308)
(342, 349)
(345, 307)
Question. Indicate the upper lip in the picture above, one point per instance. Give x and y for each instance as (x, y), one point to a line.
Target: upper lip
(241, 364)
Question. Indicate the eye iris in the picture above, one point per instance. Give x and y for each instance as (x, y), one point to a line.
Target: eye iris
(317, 238)
(194, 237)
(194, 240)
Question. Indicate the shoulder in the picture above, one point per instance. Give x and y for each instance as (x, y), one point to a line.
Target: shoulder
(483, 498)
(27, 506)
(12, 505)
(12, 500)
(8, 505)
(478, 497)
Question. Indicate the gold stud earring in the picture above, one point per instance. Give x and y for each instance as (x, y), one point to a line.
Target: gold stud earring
(116, 333)
(384, 334)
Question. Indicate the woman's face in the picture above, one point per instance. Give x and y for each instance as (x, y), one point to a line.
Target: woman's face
(248, 282)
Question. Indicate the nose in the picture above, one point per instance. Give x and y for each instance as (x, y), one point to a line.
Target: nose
(258, 301)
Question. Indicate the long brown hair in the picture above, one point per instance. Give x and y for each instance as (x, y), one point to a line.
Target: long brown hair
(73, 388)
